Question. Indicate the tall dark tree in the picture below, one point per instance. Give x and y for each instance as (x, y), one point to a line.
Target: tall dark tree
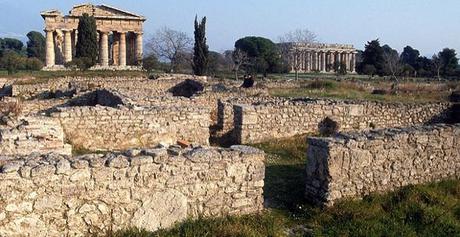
(200, 50)
(410, 56)
(373, 56)
(87, 45)
(36, 45)
(449, 61)
(10, 44)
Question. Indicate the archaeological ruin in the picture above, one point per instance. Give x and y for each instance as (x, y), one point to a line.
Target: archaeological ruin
(316, 57)
(145, 152)
(119, 32)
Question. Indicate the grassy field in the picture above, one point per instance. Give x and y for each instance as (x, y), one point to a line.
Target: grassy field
(422, 210)
(363, 90)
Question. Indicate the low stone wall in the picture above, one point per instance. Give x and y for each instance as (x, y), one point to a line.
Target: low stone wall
(280, 119)
(24, 135)
(29, 89)
(107, 128)
(75, 196)
(356, 164)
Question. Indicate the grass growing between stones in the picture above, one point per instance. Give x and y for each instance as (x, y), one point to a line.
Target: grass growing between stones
(421, 210)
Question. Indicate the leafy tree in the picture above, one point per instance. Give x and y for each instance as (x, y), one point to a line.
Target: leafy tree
(262, 54)
(36, 46)
(424, 67)
(11, 61)
(12, 44)
(200, 50)
(449, 61)
(150, 62)
(373, 56)
(410, 56)
(87, 44)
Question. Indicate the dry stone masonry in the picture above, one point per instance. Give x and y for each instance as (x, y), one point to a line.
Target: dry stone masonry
(356, 164)
(55, 195)
(107, 128)
(286, 118)
(24, 135)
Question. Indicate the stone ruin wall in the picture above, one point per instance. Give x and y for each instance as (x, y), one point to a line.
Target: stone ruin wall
(57, 195)
(281, 119)
(24, 135)
(107, 128)
(25, 89)
(356, 164)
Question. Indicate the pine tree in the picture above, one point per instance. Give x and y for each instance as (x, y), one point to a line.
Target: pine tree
(36, 45)
(201, 51)
(87, 46)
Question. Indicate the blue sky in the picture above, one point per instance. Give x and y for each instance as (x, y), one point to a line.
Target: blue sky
(428, 25)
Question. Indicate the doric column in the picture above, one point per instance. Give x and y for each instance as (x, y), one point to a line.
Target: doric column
(348, 61)
(331, 61)
(315, 61)
(139, 49)
(323, 62)
(50, 56)
(339, 58)
(353, 62)
(307, 61)
(73, 35)
(67, 46)
(104, 49)
(122, 51)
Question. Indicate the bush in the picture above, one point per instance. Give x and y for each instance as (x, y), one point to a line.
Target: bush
(33, 64)
(379, 92)
(80, 63)
(317, 84)
(328, 127)
(12, 62)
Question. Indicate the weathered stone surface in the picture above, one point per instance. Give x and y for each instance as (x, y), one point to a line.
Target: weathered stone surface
(54, 195)
(254, 120)
(356, 164)
(162, 210)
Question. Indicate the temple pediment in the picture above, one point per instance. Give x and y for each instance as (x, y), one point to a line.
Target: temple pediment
(98, 11)
(103, 11)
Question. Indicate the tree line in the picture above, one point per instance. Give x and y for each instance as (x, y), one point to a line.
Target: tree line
(386, 61)
(14, 55)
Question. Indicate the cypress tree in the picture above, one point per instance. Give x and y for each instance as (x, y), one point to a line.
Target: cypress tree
(87, 45)
(200, 49)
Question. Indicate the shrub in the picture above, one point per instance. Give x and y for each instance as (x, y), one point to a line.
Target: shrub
(328, 127)
(317, 84)
(33, 64)
(379, 92)
(83, 63)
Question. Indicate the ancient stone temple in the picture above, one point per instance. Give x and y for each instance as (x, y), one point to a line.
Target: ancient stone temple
(119, 32)
(320, 57)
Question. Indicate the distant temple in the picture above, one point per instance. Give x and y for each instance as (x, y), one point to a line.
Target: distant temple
(120, 36)
(320, 57)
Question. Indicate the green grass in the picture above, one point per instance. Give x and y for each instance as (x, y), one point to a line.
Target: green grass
(358, 90)
(421, 210)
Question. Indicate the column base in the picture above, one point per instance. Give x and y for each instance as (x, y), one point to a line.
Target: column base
(95, 68)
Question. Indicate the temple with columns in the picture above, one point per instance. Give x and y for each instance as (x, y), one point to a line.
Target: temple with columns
(317, 57)
(119, 33)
